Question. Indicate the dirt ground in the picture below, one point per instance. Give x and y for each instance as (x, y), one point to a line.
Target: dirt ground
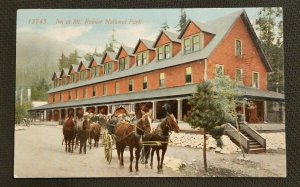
(39, 153)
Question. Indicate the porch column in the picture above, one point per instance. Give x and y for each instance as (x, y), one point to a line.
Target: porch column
(52, 115)
(283, 112)
(244, 110)
(154, 109)
(74, 109)
(265, 112)
(84, 109)
(45, 115)
(179, 109)
(108, 109)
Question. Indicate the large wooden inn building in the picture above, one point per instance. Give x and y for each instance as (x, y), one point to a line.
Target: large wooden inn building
(168, 70)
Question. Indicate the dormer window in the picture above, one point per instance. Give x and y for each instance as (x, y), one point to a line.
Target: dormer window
(108, 68)
(187, 45)
(83, 75)
(167, 51)
(72, 78)
(196, 43)
(139, 59)
(94, 71)
(144, 58)
(123, 64)
(65, 81)
(160, 53)
(192, 43)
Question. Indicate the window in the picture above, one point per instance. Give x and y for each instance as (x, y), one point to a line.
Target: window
(64, 80)
(60, 96)
(161, 79)
(167, 51)
(76, 94)
(188, 75)
(144, 58)
(117, 87)
(196, 43)
(187, 45)
(94, 91)
(72, 76)
(255, 80)
(139, 59)
(160, 53)
(69, 95)
(83, 75)
(238, 48)
(104, 89)
(130, 88)
(145, 83)
(127, 63)
(53, 98)
(238, 75)
(105, 68)
(94, 71)
(121, 64)
(110, 67)
(219, 70)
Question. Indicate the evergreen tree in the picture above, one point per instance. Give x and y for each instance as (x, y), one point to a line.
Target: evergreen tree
(63, 62)
(182, 20)
(213, 104)
(39, 90)
(73, 58)
(165, 26)
(88, 57)
(270, 28)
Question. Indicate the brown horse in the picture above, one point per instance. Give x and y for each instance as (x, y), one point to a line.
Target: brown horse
(161, 134)
(69, 132)
(130, 135)
(83, 125)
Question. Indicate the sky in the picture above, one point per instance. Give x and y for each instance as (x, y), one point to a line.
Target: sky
(87, 29)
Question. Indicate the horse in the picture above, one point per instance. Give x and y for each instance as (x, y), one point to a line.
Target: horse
(83, 132)
(95, 128)
(130, 135)
(161, 134)
(69, 132)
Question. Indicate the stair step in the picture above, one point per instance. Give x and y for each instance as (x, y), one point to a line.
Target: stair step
(255, 146)
(253, 143)
(257, 150)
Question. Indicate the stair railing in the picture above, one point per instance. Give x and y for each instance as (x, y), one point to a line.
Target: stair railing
(237, 136)
(253, 133)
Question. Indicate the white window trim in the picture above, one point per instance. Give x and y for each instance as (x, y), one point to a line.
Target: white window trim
(201, 42)
(132, 85)
(239, 81)
(235, 48)
(186, 75)
(216, 67)
(258, 78)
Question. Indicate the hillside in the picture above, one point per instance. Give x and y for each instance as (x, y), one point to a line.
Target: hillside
(37, 57)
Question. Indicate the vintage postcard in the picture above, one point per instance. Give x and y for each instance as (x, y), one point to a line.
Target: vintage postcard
(193, 92)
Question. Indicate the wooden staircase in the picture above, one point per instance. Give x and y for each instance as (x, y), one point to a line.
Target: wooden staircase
(251, 140)
(254, 146)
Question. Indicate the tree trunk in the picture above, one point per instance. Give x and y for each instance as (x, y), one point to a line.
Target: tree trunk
(204, 150)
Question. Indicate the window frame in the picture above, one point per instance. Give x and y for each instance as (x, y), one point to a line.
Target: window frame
(145, 83)
(185, 50)
(235, 48)
(144, 58)
(162, 80)
(216, 69)
(104, 89)
(60, 96)
(131, 85)
(121, 64)
(94, 91)
(160, 53)
(193, 43)
(69, 95)
(188, 74)
(258, 77)
(241, 74)
(169, 51)
(138, 59)
(117, 88)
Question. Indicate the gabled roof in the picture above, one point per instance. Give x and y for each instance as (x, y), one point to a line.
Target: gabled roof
(128, 50)
(111, 55)
(97, 59)
(56, 74)
(73, 66)
(84, 63)
(148, 44)
(202, 26)
(171, 35)
(221, 28)
(64, 70)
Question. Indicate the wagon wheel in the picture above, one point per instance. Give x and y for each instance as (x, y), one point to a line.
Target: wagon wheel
(108, 148)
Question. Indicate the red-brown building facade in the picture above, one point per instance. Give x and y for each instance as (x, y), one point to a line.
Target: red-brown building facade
(168, 70)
